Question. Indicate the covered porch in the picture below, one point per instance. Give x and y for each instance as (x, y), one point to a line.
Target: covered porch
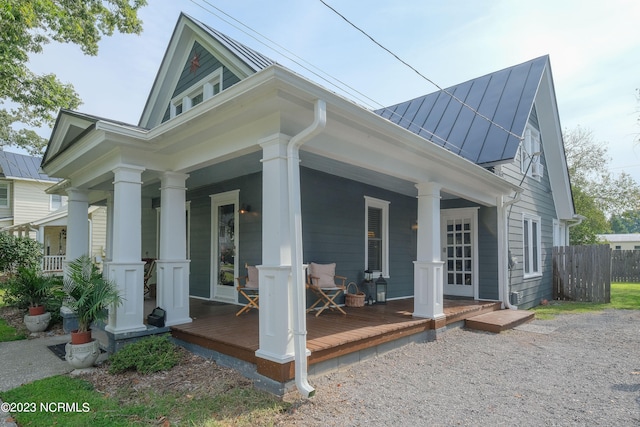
(294, 153)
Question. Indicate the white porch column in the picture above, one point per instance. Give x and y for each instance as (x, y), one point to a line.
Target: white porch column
(172, 265)
(276, 333)
(428, 273)
(126, 268)
(77, 224)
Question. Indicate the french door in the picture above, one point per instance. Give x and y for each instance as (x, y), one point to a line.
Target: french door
(224, 251)
(460, 251)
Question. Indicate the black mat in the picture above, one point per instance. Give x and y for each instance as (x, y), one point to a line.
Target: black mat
(59, 350)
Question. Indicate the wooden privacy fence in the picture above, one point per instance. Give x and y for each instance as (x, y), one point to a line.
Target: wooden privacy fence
(582, 273)
(625, 266)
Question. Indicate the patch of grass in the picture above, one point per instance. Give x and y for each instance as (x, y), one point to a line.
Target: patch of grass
(237, 407)
(9, 333)
(624, 296)
(148, 355)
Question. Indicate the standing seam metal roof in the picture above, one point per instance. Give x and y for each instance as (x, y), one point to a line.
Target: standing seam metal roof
(506, 97)
(20, 166)
(255, 60)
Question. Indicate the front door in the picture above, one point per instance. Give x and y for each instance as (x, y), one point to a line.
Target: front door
(459, 241)
(224, 209)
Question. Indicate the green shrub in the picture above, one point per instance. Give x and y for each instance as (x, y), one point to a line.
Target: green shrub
(18, 252)
(148, 355)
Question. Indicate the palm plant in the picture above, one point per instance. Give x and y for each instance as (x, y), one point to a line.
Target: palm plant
(89, 294)
(29, 287)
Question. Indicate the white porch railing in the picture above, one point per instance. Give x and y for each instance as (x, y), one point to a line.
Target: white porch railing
(52, 263)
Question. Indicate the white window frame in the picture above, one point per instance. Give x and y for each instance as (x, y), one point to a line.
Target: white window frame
(371, 202)
(204, 86)
(52, 206)
(530, 152)
(5, 203)
(528, 267)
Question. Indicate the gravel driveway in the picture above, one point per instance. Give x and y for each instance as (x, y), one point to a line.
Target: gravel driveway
(581, 369)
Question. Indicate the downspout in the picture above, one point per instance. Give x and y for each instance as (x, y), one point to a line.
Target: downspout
(507, 283)
(295, 224)
(578, 220)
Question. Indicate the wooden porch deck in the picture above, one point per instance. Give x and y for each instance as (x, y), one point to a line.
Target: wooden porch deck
(329, 335)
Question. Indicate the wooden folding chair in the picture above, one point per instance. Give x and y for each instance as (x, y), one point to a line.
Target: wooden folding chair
(149, 267)
(321, 280)
(248, 286)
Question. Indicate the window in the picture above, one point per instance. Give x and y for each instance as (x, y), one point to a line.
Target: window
(206, 88)
(532, 252)
(56, 201)
(636, 247)
(530, 153)
(377, 236)
(4, 195)
(618, 247)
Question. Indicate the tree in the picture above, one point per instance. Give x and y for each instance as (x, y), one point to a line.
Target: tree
(628, 222)
(597, 192)
(25, 27)
(18, 252)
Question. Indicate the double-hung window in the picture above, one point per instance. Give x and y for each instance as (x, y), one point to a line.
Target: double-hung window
(4, 195)
(532, 251)
(530, 154)
(377, 232)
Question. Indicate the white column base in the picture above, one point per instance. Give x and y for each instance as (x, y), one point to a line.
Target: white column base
(276, 333)
(428, 290)
(128, 316)
(173, 290)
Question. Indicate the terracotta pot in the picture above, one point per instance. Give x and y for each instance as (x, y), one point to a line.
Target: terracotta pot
(80, 337)
(36, 311)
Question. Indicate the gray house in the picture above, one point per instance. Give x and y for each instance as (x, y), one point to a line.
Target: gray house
(237, 160)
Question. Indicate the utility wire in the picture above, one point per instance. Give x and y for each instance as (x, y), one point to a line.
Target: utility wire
(419, 73)
(345, 85)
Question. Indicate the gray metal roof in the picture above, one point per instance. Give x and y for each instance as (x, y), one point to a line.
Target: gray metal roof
(255, 60)
(506, 97)
(20, 166)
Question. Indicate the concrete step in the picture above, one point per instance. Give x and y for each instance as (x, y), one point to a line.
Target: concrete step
(498, 321)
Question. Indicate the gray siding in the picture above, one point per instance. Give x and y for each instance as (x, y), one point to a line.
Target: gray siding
(536, 200)
(208, 64)
(333, 212)
(250, 228)
(333, 228)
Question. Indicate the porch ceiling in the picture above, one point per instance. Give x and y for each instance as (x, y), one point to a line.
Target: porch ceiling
(251, 163)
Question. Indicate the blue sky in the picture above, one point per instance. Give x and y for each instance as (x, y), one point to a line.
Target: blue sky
(594, 48)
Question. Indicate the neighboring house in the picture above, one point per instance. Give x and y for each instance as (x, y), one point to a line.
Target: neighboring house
(237, 160)
(625, 242)
(27, 210)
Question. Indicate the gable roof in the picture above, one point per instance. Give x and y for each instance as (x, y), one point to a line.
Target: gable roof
(506, 97)
(254, 59)
(21, 166)
(240, 59)
(71, 126)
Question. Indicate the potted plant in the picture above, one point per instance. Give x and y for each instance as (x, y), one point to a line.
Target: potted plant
(30, 287)
(89, 295)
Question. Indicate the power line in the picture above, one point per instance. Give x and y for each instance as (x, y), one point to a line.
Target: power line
(420, 74)
(345, 85)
